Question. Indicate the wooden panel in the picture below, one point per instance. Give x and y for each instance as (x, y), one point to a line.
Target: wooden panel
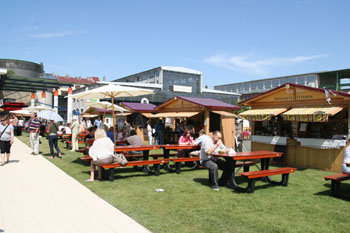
(256, 146)
(228, 131)
(324, 159)
(182, 106)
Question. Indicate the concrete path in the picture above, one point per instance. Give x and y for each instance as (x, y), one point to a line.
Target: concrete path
(36, 196)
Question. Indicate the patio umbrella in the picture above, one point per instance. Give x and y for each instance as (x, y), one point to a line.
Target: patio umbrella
(36, 108)
(50, 115)
(112, 91)
(106, 106)
(20, 112)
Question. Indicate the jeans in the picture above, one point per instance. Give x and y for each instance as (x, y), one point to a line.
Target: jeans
(34, 142)
(213, 164)
(53, 139)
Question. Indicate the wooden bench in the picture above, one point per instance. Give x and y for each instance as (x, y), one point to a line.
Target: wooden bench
(178, 162)
(336, 180)
(155, 162)
(252, 176)
(127, 156)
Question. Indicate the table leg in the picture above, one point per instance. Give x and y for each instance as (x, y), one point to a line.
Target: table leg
(265, 164)
(231, 163)
(146, 168)
(166, 166)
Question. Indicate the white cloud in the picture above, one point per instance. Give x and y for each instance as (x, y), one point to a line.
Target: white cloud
(248, 64)
(50, 35)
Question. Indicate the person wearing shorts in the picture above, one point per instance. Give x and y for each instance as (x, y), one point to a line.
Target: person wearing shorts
(6, 139)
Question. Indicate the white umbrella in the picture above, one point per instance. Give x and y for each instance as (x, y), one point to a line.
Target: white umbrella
(36, 108)
(112, 91)
(50, 115)
(20, 112)
(106, 106)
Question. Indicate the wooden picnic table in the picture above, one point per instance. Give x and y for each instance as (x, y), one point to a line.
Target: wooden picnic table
(264, 157)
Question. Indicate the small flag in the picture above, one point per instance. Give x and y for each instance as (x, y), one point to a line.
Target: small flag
(328, 98)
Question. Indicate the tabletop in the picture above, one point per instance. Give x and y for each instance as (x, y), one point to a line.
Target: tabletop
(251, 155)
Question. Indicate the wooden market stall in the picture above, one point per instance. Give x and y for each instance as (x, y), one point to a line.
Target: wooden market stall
(210, 114)
(299, 121)
(136, 118)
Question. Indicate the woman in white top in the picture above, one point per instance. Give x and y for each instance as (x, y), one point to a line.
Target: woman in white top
(149, 132)
(101, 153)
(346, 162)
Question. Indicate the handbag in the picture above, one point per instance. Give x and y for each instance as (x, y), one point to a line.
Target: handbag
(119, 158)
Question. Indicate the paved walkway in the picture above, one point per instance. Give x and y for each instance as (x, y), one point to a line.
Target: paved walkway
(36, 196)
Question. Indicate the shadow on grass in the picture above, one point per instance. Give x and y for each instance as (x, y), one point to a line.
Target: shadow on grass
(344, 188)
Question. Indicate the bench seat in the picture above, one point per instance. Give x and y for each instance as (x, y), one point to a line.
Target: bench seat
(252, 176)
(155, 162)
(335, 184)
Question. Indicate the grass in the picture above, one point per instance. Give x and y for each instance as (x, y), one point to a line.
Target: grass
(189, 205)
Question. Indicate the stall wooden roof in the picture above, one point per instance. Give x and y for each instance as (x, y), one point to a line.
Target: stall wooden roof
(191, 104)
(139, 107)
(301, 94)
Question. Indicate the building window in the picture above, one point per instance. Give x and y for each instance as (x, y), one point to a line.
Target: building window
(291, 80)
(283, 81)
(253, 86)
(301, 80)
(261, 85)
(275, 83)
(246, 86)
(268, 84)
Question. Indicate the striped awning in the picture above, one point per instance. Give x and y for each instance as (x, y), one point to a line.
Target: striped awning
(311, 114)
(170, 114)
(261, 114)
(224, 113)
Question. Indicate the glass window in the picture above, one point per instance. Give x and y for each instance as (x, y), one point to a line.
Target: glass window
(283, 81)
(246, 86)
(240, 87)
(234, 88)
(267, 84)
(260, 85)
(275, 83)
(310, 78)
(253, 86)
(301, 80)
(291, 80)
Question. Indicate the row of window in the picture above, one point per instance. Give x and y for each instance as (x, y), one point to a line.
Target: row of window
(307, 80)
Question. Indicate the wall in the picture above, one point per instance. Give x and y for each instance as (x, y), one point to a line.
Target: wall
(175, 78)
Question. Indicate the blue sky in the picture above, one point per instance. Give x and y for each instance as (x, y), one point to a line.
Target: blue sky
(229, 41)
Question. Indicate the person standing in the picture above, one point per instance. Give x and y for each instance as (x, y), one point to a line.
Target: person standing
(52, 129)
(98, 123)
(6, 139)
(127, 127)
(149, 132)
(75, 133)
(20, 126)
(160, 132)
(34, 124)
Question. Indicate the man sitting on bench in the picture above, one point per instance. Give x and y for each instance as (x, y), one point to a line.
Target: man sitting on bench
(213, 163)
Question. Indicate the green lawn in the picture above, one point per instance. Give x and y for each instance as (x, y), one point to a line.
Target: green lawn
(189, 205)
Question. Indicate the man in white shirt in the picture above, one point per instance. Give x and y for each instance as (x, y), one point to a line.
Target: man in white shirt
(208, 147)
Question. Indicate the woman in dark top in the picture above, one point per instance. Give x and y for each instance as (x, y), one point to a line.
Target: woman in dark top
(53, 139)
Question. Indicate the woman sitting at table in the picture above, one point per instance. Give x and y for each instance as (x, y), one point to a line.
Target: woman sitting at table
(101, 153)
(346, 162)
(185, 140)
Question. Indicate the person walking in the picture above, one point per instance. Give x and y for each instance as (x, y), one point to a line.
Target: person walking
(75, 133)
(98, 123)
(52, 129)
(33, 133)
(6, 139)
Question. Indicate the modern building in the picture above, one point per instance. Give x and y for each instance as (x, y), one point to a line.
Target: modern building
(170, 81)
(338, 80)
(20, 79)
